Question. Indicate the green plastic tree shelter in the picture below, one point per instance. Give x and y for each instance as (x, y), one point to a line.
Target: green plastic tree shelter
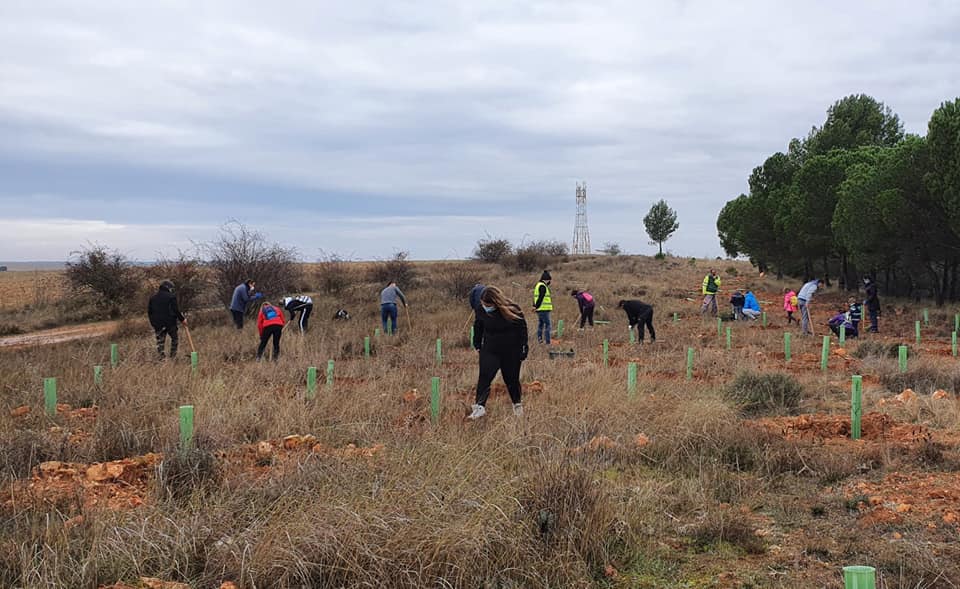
(632, 379)
(825, 352)
(843, 334)
(329, 374)
(366, 346)
(856, 405)
(606, 352)
(186, 427)
(311, 382)
(786, 346)
(50, 395)
(439, 352)
(194, 362)
(859, 577)
(560, 328)
(98, 375)
(728, 338)
(114, 355)
(917, 326)
(689, 363)
(902, 358)
(926, 317)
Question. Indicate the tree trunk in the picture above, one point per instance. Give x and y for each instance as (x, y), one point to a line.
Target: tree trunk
(661, 247)
(826, 271)
(944, 284)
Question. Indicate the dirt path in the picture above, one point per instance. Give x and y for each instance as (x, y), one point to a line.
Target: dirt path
(57, 335)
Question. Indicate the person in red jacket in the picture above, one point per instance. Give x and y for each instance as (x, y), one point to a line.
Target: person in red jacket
(269, 324)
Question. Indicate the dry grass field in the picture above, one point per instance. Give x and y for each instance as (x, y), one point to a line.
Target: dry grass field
(742, 476)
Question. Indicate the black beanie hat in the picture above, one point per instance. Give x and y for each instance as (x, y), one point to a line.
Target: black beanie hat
(545, 276)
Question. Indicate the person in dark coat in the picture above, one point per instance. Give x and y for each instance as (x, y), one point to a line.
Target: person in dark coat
(165, 317)
(587, 305)
(243, 295)
(639, 314)
(872, 304)
(500, 335)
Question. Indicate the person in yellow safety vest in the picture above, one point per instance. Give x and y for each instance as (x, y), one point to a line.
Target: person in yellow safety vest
(711, 285)
(543, 304)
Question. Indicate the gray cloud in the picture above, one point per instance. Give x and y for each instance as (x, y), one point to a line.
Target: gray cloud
(476, 107)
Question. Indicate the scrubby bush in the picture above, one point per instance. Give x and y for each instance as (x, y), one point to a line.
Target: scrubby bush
(731, 271)
(535, 255)
(240, 253)
(107, 276)
(397, 269)
(191, 280)
(334, 274)
(869, 348)
(492, 250)
(762, 393)
(922, 379)
(456, 281)
(611, 249)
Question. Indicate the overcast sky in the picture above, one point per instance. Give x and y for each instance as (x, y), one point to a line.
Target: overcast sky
(363, 128)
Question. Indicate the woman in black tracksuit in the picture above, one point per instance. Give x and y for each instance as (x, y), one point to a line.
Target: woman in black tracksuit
(500, 335)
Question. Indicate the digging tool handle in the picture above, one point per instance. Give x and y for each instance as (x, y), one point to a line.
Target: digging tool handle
(186, 330)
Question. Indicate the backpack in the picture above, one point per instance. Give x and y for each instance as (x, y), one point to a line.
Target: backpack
(794, 301)
(270, 313)
(587, 297)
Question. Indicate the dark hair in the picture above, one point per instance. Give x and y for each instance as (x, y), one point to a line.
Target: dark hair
(248, 281)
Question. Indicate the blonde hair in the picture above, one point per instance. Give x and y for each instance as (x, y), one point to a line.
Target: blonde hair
(493, 296)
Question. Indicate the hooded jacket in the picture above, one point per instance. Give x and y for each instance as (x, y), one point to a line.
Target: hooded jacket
(789, 304)
(495, 334)
(162, 310)
(750, 302)
(269, 315)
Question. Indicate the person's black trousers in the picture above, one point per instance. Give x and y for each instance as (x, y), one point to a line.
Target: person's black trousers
(237, 318)
(274, 331)
(645, 319)
(304, 311)
(162, 332)
(509, 368)
(586, 315)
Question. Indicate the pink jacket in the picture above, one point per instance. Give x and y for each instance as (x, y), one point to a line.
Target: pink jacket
(787, 304)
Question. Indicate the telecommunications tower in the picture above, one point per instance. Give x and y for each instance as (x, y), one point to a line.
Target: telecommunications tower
(581, 234)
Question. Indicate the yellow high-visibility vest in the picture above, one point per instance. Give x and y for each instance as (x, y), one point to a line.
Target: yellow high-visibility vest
(547, 304)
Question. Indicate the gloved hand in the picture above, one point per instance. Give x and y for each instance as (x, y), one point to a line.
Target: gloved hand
(257, 295)
(524, 350)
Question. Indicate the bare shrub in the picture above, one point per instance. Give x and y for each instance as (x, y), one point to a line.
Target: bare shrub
(492, 250)
(536, 254)
(190, 279)
(725, 526)
(334, 274)
(761, 393)
(456, 281)
(240, 253)
(106, 275)
(397, 269)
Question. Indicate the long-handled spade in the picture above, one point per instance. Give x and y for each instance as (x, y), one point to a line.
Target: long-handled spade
(186, 329)
(406, 312)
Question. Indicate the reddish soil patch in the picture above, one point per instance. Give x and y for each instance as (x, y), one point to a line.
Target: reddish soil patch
(126, 483)
(120, 484)
(929, 498)
(820, 426)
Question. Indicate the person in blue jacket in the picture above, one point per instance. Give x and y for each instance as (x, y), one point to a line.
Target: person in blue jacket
(751, 306)
(243, 295)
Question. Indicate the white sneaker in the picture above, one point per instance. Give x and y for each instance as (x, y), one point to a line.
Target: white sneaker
(518, 409)
(478, 412)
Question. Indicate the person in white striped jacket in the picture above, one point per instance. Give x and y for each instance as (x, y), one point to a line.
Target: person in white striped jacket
(301, 304)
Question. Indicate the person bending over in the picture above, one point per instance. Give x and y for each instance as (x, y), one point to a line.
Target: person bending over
(500, 335)
(639, 314)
